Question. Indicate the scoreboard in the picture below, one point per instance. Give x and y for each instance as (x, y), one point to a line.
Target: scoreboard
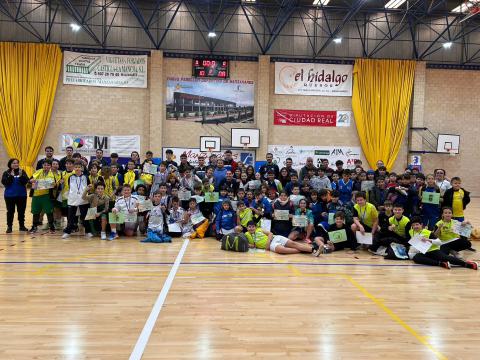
(209, 68)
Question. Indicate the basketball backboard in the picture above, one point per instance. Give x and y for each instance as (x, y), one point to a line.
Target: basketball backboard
(448, 144)
(245, 138)
(210, 143)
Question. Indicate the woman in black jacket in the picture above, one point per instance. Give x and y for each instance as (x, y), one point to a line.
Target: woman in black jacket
(15, 181)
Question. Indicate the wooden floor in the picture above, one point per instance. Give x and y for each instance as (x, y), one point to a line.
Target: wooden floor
(90, 299)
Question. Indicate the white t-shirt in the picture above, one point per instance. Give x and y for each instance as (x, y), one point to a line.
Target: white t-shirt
(76, 187)
(124, 205)
(443, 186)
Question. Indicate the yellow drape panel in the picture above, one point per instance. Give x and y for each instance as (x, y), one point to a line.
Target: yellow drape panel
(28, 81)
(382, 90)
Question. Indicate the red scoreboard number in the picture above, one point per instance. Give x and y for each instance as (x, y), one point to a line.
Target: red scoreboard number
(208, 68)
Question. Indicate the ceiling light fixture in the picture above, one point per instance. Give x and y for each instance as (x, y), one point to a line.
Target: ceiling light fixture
(75, 27)
(464, 8)
(321, 2)
(394, 4)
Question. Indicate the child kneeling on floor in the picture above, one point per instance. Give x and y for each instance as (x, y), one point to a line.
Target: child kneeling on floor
(434, 255)
(196, 225)
(128, 206)
(155, 230)
(101, 202)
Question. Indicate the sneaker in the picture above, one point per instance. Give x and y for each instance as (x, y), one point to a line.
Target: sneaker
(326, 250)
(103, 236)
(316, 250)
(89, 235)
(65, 236)
(9, 230)
(472, 265)
(445, 265)
(113, 236)
(33, 230)
(52, 231)
(23, 228)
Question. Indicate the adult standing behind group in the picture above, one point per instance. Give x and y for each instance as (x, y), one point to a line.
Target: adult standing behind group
(441, 181)
(308, 166)
(228, 161)
(68, 155)
(269, 166)
(15, 181)
(48, 155)
(99, 159)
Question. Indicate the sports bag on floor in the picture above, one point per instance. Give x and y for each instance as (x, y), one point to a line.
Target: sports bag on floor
(235, 242)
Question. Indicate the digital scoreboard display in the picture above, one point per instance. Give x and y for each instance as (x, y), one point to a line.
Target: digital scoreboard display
(209, 68)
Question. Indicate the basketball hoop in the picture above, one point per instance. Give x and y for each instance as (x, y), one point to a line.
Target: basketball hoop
(209, 150)
(245, 141)
(450, 150)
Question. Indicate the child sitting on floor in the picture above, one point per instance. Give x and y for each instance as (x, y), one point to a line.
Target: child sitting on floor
(155, 230)
(434, 255)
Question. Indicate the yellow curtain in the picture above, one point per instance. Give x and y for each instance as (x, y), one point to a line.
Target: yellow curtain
(28, 81)
(382, 90)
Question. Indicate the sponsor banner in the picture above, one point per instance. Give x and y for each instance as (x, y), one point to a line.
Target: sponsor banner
(209, 101)
(87, 144)
(311, 118)
(245, 156)
(313, 79)
(299, 154)
(106, 70)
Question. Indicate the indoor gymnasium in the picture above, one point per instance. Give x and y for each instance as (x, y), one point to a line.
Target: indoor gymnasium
(237, 179)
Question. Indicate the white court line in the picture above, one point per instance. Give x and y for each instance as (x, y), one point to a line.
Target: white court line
(142, 341)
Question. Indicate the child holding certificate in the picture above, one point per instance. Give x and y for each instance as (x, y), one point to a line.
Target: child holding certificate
(365, 215)
(127, 206)
(283, 212)
(339, 235)
(302, 223)
(196, 225)
(431, 254)
(156, 231)
(430, 207)
(42, 181)
(99, 204)
(444, 230)
(175, 218)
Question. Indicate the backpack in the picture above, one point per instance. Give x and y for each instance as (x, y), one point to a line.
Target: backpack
(396, 252)
(235, 242)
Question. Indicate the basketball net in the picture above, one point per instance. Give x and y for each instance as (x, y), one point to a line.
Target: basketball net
(451, 152)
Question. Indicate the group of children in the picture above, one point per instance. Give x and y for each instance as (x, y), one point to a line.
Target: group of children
(320, 211)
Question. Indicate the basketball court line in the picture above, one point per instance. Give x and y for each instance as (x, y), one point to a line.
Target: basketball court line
(203, 263)
(142, 341)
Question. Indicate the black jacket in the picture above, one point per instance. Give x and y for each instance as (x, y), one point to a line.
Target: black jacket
(448, 198)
